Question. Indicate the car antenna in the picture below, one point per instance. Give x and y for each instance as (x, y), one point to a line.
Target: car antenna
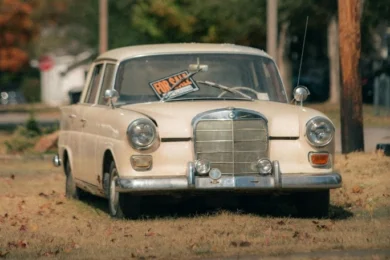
(301, 61)
(303, 49)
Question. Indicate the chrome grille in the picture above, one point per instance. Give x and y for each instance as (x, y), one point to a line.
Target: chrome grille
(232, 145)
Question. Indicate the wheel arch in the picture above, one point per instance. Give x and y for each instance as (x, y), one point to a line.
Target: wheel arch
(108, 157)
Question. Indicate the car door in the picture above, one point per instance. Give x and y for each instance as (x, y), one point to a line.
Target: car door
(94, 119)
(87, 139)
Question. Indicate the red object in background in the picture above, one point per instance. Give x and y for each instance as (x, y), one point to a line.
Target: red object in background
(46, 63)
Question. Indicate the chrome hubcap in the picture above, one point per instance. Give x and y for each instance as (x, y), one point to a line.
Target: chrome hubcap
(114, 196)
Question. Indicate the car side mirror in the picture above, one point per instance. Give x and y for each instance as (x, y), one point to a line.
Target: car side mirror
(301, 93)
(111, 95)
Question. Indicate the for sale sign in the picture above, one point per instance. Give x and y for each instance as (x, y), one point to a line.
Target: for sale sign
(164, 85)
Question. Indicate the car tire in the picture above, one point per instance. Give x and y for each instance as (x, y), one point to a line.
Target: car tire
(121, 205)
(71, 190)
(313, 204)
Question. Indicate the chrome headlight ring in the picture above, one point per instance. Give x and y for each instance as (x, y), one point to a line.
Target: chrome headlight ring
(141, 133)
(319, 131)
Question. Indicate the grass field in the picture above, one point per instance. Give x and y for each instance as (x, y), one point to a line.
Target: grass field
(37, 221)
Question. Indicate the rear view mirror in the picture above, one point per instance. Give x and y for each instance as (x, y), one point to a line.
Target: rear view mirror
(196, 67)
(111, 95)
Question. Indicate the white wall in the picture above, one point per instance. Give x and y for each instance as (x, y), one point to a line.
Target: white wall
(54, 87)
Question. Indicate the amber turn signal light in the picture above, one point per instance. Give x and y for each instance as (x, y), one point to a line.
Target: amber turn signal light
(319, 159)
(141, 162)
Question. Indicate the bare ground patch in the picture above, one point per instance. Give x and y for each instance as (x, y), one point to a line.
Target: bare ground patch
(36, 221)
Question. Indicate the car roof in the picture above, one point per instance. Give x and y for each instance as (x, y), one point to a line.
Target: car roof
(125, 53)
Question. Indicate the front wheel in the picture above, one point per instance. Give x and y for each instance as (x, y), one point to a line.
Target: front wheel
(121, 205)
(313, 204)
(71, 190)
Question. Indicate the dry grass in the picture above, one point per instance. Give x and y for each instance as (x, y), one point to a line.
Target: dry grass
(37, 221)
(369, 119)
(4, 136)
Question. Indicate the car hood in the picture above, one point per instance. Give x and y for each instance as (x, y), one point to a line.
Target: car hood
(174, 118)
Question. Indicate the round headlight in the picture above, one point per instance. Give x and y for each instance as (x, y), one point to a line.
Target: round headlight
(319, 131)
(202, 166)
(141, 133)
(264, 166)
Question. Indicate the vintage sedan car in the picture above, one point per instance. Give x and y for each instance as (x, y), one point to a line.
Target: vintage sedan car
(194, 119)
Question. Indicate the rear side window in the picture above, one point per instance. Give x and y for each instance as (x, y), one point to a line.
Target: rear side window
(109, 72)
(94, 84)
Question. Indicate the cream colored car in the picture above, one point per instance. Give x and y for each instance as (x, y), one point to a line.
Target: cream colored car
(190, 119)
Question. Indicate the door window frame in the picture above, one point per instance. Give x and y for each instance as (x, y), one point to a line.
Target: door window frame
(111, 84)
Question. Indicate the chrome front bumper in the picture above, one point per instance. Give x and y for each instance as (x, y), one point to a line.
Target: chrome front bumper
(275, 181)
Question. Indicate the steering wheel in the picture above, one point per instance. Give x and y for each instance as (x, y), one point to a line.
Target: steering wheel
(238, 88)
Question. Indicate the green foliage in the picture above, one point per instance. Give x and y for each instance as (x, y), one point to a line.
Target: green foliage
(22, 140)
(230, 21)
(32, 127)
(25, 137)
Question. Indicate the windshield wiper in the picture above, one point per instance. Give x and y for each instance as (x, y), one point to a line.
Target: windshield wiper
(168, 94)
(216, 85)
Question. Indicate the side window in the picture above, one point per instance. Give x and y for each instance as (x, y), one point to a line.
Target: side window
(94, 83)
(107, 82)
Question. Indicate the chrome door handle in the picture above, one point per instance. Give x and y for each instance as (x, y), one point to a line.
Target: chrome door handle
(72, 116)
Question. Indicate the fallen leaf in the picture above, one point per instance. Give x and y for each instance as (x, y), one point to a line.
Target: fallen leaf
(13, 176)
(233, 243)
(245, 243)
(22, 244)
(51, 253)
(75, 246)
(41, 194)
(357, 189)
(19, 244)
(59, 203)
(23, 228)
(44, 206)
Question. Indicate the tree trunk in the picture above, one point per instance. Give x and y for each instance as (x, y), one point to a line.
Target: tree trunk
(283, 60)
(334, 61)
(352, 137)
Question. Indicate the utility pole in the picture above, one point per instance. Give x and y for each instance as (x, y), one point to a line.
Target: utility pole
(351, 113)
(103, 21)
(272, 27)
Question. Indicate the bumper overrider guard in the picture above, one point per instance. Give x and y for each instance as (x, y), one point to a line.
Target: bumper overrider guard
(275, 181)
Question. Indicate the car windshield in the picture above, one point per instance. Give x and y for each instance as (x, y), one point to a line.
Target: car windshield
(247, 77)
